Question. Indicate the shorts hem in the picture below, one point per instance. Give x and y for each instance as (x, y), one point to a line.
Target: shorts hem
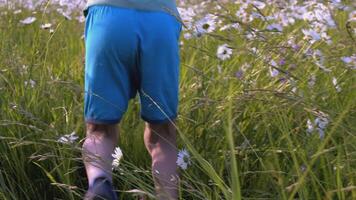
(159, 121)
(96, 121)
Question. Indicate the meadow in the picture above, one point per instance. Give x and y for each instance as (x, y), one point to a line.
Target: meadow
(267, 102)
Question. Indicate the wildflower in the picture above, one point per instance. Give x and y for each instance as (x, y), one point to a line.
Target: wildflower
(311, 34)
(255, 51)
(224, 52)
(187, 15)
(303, 168)
(273, 72)
(17, 11)
(347, 60)
(28, 20)
(350, 61)
(245, 66)
(310, 127)
(23, 70)
(295, 46)
(256, 15)
(336, 85)
(311, 81)
(31, 82)
(206, 25)
(13, 106)
(321, 123)
(320, 60)
(66, 13)
(81, 19)
(251, 35)
(68, 139)
(283, 80)
(239, 74)
(187, 35)
(245, 144)
(273, 63)
(219, 69)
(259, 4)
(282, 62)
(183, 159)
(273, 27)
(337, 4)
(230, 26)
(294, 90)
(338, 167)
(243, 14)
(352, 16)
(46, 26)
(117, 155)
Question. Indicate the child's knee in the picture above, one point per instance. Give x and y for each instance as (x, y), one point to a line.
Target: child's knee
(163, 129)
(101, 130)
(158, 135)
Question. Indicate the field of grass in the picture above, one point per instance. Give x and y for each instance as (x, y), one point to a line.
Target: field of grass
(276, 119)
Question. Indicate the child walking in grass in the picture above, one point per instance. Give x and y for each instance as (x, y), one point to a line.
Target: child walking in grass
(132, 47)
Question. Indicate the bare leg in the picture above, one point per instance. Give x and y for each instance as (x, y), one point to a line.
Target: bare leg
(160, 141)
(97, 149)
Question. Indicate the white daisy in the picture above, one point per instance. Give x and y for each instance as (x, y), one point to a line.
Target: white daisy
(312, 35)
(352, 16)
(28, 20)
(183, 159)
(259, 4)
(46, 26)
(68, 139)
(310, 126)
(117, 155)
(31, 82)
(206, 24)
(336, 85)
(294, 89)
(224, 52)
(187, 15)
(17, 11)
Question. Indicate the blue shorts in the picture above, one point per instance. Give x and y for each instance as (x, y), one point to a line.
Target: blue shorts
(131, 51)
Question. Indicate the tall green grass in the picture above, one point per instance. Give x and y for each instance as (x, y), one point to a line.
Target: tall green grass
(247, 137)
